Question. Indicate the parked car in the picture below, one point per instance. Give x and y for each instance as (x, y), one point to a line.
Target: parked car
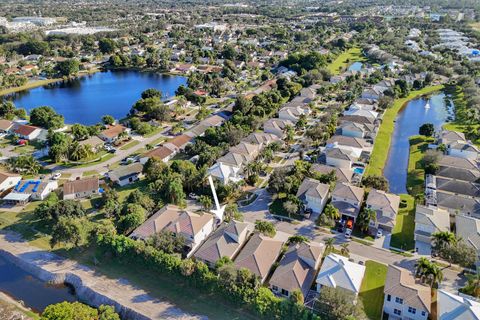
(112, 150)
(348, 233)
(56, 176)
(192, 196)
(379, 233)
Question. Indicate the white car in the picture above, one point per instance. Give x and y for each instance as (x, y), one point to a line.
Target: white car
(348, 233)
(56, 176)
(379, 233)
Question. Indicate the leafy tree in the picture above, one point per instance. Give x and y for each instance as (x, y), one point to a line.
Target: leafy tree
(331, 212)
(336, 304)
(107, 45)
(206, 202)
(290, 207)
(458, 252)
(175, 193)
(168, 242)
(232, 213)
(78, 311)
(69, 230)
(364, 218)
(46, 117)
(376, 182)
(296, 239)
(296, 297)
(473, 285)
(266, 228)
(80, 132)
(108, 119)
(68, 68)
(151, 93)
(427, 129)
(132, 218)
(138, 197)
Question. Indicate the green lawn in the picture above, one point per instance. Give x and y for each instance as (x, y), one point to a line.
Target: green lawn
(90, 173)
(276, 208)
(29, 85)
(379, 154)
(345, 59)
(416, 174)
(130, 145)
(402, 234)
(371, 291)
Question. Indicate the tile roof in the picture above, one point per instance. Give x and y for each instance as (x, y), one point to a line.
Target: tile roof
(346, 191)
(224, 242)
(259, 254)
(82, 185)
(342, 174)
(401, 283)
(5, 124)
(297, 269)
(312, 188)
(113, 131)
(161, 152)
(23, 130)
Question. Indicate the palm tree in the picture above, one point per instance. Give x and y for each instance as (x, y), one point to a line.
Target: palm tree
(435, 274)
(364, 218)
(422, 266)
(331, 212)
(443, 238)
(473, 285)
(329, 247)
(344, 249)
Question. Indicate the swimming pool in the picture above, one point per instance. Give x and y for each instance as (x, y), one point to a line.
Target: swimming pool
(358, 170)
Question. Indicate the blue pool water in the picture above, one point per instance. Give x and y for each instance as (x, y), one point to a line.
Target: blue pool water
(358, 170)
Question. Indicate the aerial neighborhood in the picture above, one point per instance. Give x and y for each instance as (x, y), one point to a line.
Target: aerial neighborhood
(191, 160)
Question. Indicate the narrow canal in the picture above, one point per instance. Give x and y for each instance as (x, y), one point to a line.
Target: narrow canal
(34, 293)
(407, 123)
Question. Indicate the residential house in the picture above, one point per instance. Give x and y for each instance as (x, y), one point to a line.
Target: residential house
(357, 145)
(226, 241)
(429, 220)
(358, 119)
(297, 269)
(261, 138)
(356, 130)
(340, 273)
(277, 126)
(463, 149)
(386, 206)
(5, 125)
(313, 194)
(452, 307)
(446, 137)
(342, 174)
(112, 133)
(348, 200)
(293, 114)
(340, 157)
(82, 188)
(125, 175)
(405, 298)
(455, 186)
(372, 93)
(361, 113)
(457, 204)
(8, 181)
(459, 169)
(163, 153)
(194, 227)
(27, 190)
(94, 143)
(259, 255)
(26, 132)
(468, 228)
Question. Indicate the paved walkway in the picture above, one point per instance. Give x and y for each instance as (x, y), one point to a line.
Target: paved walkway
(128, 297)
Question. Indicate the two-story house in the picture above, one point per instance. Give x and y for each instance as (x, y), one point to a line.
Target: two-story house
(226, 241)
(348, 200)
(194, 227)
(313, 194)
(386, 206)
(404, 297)
(429, 220)
(297, 269)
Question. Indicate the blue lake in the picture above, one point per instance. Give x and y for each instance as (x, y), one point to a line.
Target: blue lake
(86, 99)
(408, 121)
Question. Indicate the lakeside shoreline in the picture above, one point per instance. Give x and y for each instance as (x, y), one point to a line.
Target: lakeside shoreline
(383, 140)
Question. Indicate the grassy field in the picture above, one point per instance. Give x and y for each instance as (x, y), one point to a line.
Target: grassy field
(130, 145)
(345, 59)
(475, 26)
(461, 115)
(29, 85)
(416, 174)
(371, 291)
(402, 234)
(379, 154)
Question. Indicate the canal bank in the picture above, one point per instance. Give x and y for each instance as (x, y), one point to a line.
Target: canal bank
(383, 140)
(93, 288)
(407, 123)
